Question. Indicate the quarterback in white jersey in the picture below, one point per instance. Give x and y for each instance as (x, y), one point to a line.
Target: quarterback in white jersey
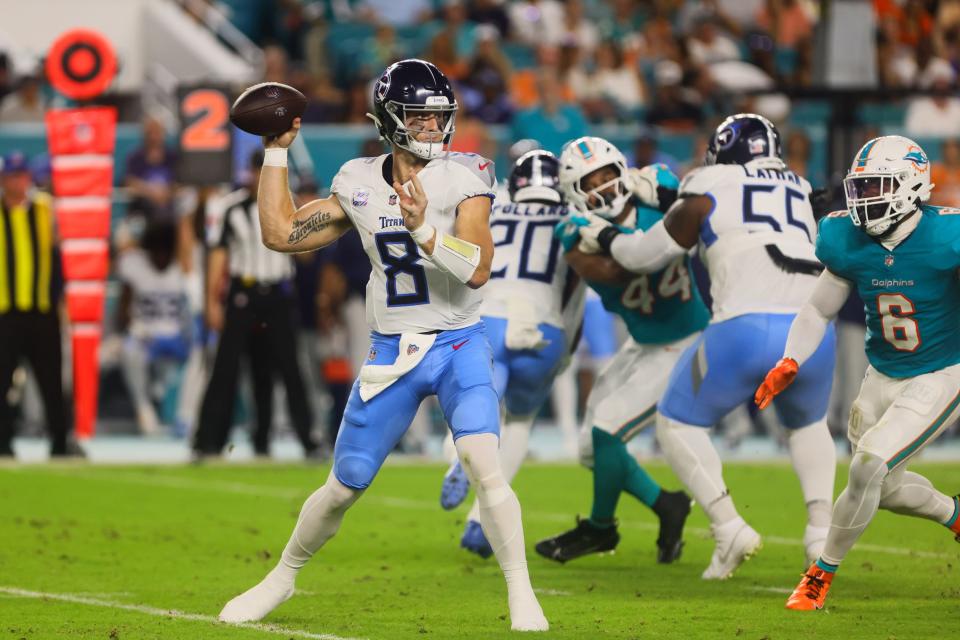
(753, 222)
(525, 313)
(423, 216)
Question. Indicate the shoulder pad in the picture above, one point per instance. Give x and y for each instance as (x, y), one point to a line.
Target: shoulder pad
(479, 166)
(700, 181)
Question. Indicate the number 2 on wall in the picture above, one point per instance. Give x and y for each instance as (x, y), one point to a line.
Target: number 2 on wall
(899, 329)
(209, 131)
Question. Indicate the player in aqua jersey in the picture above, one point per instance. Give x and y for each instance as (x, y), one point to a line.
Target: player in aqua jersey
(751, 218)
(902, 256)
(663, 312)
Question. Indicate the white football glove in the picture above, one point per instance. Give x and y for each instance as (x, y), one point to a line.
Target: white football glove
(643, 184)
(589, 233)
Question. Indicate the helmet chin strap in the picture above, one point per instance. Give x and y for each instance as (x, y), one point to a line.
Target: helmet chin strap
(897, 230)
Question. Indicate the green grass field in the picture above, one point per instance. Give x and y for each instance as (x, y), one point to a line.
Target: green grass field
(112, 550)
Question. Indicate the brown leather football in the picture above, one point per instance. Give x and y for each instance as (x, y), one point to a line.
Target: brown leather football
(267, 109)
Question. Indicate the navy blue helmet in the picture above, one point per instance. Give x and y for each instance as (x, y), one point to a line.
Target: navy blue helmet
(418, 88)
(535, 177)
(743, 138)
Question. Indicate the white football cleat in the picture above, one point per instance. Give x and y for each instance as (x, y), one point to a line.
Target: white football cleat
(814, 540)
(736, 542)
(255, 603)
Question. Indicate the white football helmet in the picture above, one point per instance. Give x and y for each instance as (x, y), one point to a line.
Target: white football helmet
(582, 157)
(889, 179)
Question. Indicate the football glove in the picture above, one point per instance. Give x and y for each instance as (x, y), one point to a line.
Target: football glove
(582, 229)
(654, 185)
(778, 379)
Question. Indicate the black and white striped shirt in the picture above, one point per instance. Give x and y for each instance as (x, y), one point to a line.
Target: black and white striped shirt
(234, 223)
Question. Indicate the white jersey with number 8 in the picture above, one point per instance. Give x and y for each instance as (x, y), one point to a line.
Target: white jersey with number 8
(406, 291)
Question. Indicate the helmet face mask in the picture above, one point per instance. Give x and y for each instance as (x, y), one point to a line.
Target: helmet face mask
(404, 98)
(889, 179)
(593, 177)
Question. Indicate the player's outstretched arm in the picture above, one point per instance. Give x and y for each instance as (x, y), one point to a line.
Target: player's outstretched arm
(653, 250)
(284, 227)
(594, 267)
(805, 335)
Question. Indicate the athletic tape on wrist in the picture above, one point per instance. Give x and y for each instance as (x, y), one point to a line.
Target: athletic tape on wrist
(423, 233)
(275, 157)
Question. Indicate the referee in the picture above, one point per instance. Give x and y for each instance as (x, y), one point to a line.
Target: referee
(260, 320)
(29, 318)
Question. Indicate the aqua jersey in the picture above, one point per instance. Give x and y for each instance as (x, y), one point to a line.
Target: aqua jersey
(660, 307)
(911, 294)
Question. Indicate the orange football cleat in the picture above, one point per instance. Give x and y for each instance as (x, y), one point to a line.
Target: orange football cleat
(778, 379)
(812, 590)
(955, 525)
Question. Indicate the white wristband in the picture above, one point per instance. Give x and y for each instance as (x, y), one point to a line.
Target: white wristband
(423, 233)
(275, 157)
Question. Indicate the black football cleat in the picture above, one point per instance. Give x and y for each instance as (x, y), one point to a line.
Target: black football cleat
(672, 507)
(584, 539)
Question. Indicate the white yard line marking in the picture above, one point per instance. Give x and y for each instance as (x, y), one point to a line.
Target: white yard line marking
(166, 613)
(423, 505)
(773, 589)
(552, 592)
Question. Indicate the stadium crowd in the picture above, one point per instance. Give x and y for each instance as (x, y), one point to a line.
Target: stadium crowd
(546, 70)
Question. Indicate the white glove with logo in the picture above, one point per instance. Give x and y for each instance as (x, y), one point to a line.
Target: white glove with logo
(589, 232)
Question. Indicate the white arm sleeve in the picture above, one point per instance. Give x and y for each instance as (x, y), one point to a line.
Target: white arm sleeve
(811, 323)
(645, 252)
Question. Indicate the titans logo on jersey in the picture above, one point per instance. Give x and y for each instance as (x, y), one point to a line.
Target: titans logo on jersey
(911, 294)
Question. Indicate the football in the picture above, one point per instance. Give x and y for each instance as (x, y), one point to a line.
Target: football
(267, 109)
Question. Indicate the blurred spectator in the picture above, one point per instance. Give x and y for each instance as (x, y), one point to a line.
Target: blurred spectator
(554, 121)
(325, 102)
(525, 84)
(646, 150)
(275, 64)
(486, 97)
(612, 90)
(29, 304)
(920, 66)
(379, 51)
(624, 21)
(359, 97)
(490, 12)
(6, 82)
(394, 13)
(788, 21)
(443, 53)
(797, 152)
(536, 22)
(26, 103)
(578, 30)
(259, 320)
(150, 172)
(153, 313)
(946, 175)
(472, 136)
(707, 43)
(672, 108)
(914, 22)
(937, 115)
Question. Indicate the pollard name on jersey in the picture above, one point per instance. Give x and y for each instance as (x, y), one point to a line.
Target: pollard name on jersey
(757, 243)
(660, 307)
(406, 291)
(911, 295)
(527, 265)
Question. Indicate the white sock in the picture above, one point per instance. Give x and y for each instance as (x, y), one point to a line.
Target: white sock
(911, 494)
(856, 506)
(514, 444)
(502, 525)
(696, 462)
(814, 458)
(564, 402)
(319, 520)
